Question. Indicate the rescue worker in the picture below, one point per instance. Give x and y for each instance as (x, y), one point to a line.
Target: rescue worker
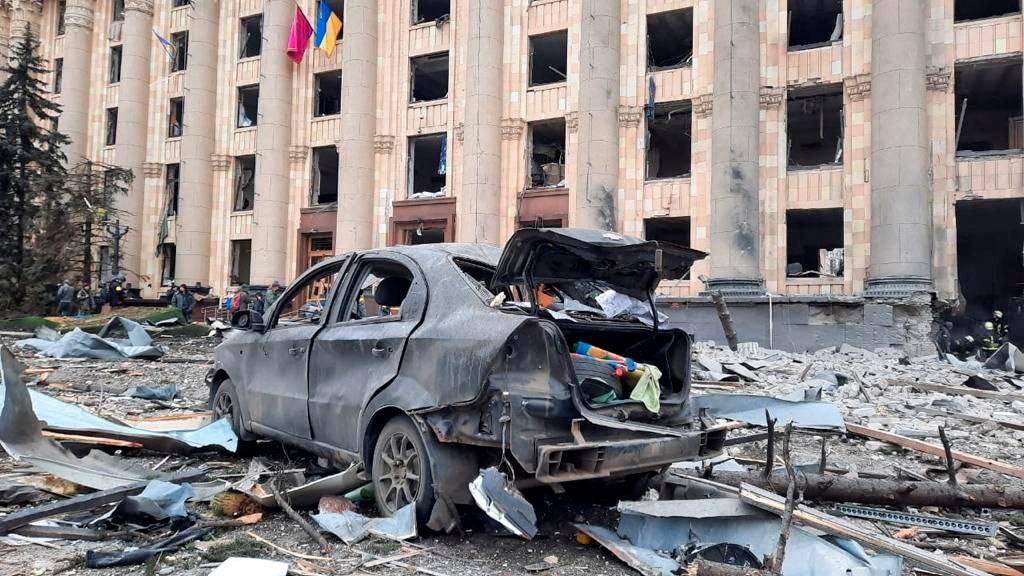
(989, 341)
(1002, 328)
(964, 348)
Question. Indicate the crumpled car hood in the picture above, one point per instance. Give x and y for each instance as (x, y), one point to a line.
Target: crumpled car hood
(541, 255)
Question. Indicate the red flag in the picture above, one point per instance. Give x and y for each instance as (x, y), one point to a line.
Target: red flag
(298, 38)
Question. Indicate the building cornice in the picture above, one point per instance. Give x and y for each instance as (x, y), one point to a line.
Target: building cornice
(703, 105)
(298, 152)
(857, 87)
(78, 14)
(383, 143)
(939, 79)
(220, 162)
(152, 169)
(630, 116)
(511, 128)
(772, 97)
(143, 6)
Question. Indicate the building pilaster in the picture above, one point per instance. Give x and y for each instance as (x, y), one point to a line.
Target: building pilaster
(597, 150)
(356, 151)
(735, 130)
(478, 209)
(195, 204)
(900, 257)
(132, 127)
(74, 118)
(273, 136)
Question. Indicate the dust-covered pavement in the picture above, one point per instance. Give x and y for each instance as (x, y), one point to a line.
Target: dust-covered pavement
(872, 389)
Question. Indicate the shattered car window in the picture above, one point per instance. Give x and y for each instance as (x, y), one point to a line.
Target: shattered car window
(382, 289)
(583, 300)
(306, 304)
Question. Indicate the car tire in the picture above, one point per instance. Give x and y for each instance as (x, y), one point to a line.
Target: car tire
(401, 470)
(224, 403)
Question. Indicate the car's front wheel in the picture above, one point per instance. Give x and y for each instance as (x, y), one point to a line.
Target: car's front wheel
(401, 470)
(224, 404)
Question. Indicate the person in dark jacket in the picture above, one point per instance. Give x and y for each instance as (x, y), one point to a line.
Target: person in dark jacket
(65, 299)
(183, 300)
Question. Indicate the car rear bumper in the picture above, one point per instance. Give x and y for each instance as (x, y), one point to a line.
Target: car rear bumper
(581, 460)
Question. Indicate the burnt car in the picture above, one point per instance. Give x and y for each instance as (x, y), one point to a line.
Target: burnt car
(430, 362)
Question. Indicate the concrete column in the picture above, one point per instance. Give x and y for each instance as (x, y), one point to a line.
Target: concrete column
(74, 118)
(132, 133)
(597, 156)
(354, 230)
(900, 262)
(480, 194)
(735, 231)
(197, 145)
(24, 14)
(273, 136)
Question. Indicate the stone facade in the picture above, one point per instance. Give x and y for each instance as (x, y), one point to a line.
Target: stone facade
(487, 193)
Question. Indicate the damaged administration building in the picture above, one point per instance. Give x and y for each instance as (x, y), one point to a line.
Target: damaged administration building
(815, 149)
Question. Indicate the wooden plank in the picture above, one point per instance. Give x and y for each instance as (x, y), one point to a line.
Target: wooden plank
(827, 523)
(988, 566)
(90, 440)
(970, 417)
(960, 391)
(936, 450)
(86, 501)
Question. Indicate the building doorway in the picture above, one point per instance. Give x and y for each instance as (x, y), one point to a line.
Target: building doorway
(990, 254)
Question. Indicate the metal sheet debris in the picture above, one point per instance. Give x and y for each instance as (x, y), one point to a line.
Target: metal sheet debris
(1008, 358)
(750, 408)
(644, 560)
(352, 527)
(81, 344)
(500, 500)
(958, 525)
(306, 495)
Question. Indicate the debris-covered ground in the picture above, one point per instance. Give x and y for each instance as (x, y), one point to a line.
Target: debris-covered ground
(885, 392)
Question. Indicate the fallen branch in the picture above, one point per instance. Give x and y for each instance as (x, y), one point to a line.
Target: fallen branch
(284, 550)
(306, 527)
(827, 488)
(936, 450)
(948, 450)
(787, 515)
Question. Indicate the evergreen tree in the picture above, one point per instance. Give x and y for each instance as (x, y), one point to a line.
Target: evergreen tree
(32, 175)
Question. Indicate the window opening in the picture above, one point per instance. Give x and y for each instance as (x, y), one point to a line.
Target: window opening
(429, 77)
(431, 11)
(814, 242)
(62, 9)
(306, 302)
(117, 14)
(115, 65)
(179, 48)
(168, 256)
(172, 184)
(248, 106)
(814, 122)
(428, 165)
(325, 176)
(989, 107)
(251, 37)
(327, 94)
(814, 23)
(383, 288)
(978, 9)
(669, 140)
(547, 153)
(111, 136)
(175, 118)
(58, 75)
(674, 230)
(245, 183)
(669, 39)
(241, 261)
(549, 58)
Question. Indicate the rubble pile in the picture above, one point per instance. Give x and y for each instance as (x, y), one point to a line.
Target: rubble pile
(869, 462)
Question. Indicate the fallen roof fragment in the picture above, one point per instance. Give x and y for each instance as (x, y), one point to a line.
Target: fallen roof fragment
(643, 560)
(500, 500)
(750, 408)
(81, 344)
(1008, 358)
(353, 527)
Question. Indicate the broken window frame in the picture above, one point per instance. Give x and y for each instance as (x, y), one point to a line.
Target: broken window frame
(110, 138)
(172, 187)
(244, 191)
(415, 62)
(797, 220)
(180, 3)
(442, 166)
(58, 75)
(250, 42)
(531, 43)
(62, 9)
(961, 4)
(240, 272)
(535, 181)
(438, 18)
(316, 178)
(687, 58)
(834, 92)
(179, 51)
(244, 118)
(663, 228)
(168, 263)
(176, 117)
(117, 13)
(965, 88)
(319, 97)
(114, 62)
(838, 26)
(668, 110)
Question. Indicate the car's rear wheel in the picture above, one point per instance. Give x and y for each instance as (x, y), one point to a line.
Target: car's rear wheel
(401, 470)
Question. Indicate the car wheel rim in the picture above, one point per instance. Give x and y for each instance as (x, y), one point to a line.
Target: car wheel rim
(399, 481)
(223, 406)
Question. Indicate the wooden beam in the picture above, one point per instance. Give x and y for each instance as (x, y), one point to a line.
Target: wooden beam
(936, 450)
(960, 390)
(827, 523)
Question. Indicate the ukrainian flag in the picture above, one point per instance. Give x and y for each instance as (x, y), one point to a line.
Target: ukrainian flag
(328, 27)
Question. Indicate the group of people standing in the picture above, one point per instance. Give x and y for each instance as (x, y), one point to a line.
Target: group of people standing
(255, 300)
(985, 340)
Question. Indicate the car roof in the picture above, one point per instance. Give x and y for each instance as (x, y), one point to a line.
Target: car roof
(483, 253)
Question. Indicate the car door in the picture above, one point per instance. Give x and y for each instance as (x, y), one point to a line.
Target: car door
(276, 384)
(360, 350)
